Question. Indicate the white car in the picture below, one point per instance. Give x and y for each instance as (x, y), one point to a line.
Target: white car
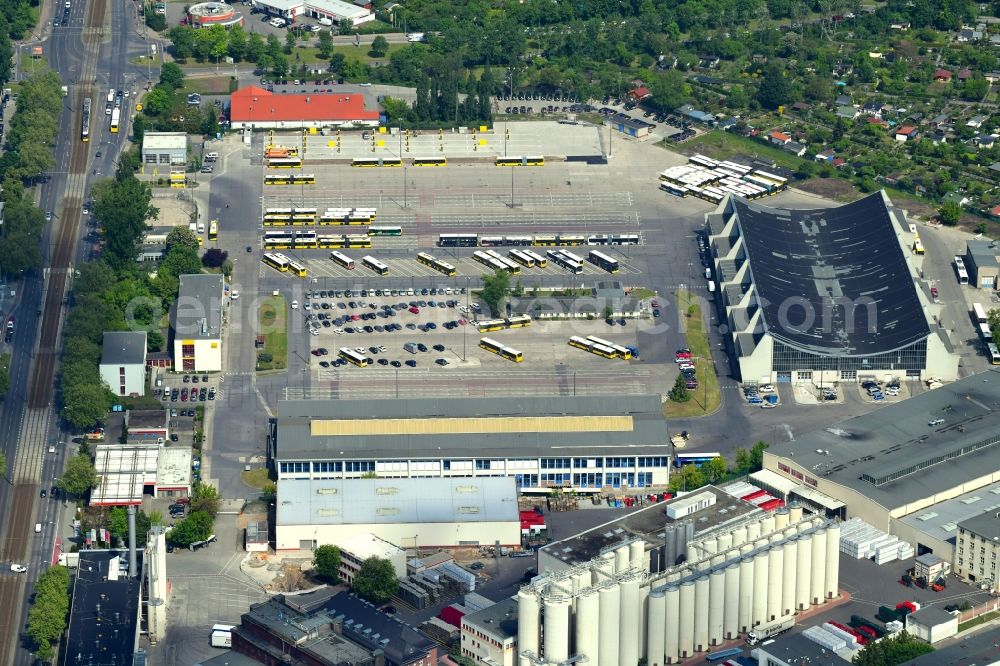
(314, 331)
(447, 291)
(235, 295)
(295, 305)
(338, 331)
(316, 28)
(766, 388)
(18, 568)
(306, 306)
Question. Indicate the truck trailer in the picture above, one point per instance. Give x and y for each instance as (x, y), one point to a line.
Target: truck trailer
(770, 629)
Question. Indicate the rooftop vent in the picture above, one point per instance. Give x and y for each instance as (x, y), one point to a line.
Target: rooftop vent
(971, 500)
(927, 516)
(327, 513)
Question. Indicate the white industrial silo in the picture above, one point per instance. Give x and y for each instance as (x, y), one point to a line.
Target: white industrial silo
(802, 572)
(644, 619)
(781, 518)
(527, 624)
(776, 559)
(832, 576)
(788, 576)
(817, 577)
(587, 626)
(753, 531)
(672, 624)
(716, 606)
(636, 553)
(746, 594)
(746, 549)
(621, 559)
(731, 614)
(694, 551)
(725, 541)
(767, 525)
(556, 629)
(685, 630)
(711, 546)
(581, 581)
(718, 559)
(740, 535)
(758, 609)
(628, 625)
(607, 648)
(701, 599)
(603, 569)
(794, 512)
(656, 614)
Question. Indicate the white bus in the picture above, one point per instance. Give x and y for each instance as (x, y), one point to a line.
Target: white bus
(374, 264)
(621, 352)
(342, 259)
(509, 265)
(353, 357)
(963, 275)
(522, 258)
(979, 313)
(540, 261)
(994, 354)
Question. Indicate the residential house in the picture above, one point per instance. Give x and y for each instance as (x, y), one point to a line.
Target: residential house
(708, 61)
(123, 362)
(873, 108)
(728, 124)
(995, 212)
(964, 74)
(826, 156)
(993, 77)
(958, 198)
(939, 120)
(938, 138)
(843, 100)
(794, 148)
(639, 93)
(802, 107)
(705, 80)
(872, 120)
(689, 111)
(942, 75)
(778, 138)
(986, 141)
(847, 112)
(969, 35)
(906, 133)
(838, 162)
(903, 27)
(976, 121)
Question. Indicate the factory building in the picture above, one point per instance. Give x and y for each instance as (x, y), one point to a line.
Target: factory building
(627, 604)
(407, 513)
(824, 295)
(587, 444)
(903, 459)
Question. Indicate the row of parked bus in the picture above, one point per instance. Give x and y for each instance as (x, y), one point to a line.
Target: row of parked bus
(369, 262)
(283, 264)
(599, 347)
(475, 240)
(309, 240)
(515, 321)
(307, 216)
(985, 332)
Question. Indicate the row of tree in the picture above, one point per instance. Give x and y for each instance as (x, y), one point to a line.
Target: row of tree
(198, 524)
(375, 581)
(165, 108)
(717, 470)
(49, 611)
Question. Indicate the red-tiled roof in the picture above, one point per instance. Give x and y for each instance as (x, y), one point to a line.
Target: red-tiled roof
(995, 211)
(780, 136)
(253, 104)
(640, 93)
(906, 130)
(942, 74)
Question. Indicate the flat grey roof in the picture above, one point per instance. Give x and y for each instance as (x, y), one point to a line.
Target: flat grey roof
(986, 525)
(148, 418)
(796, 649)
(894, 457)
(941, 520)
(984, 253)
(499, 620)
(818, 258)
(123, 348)
(393, 501)
(295, 441)
(647, 524)
(198, 310)
(930, 616)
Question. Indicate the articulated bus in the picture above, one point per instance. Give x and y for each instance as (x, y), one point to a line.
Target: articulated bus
(352, 356)
(355, 241)
(702, 161)
(592, 347)
(458, 240)
(508, 265)
(699, 459)
(277, 214)
(385, 231)
(85, 125)
(979, 313)
(278, 240)
(500, 350)
(676, 190)
(488, 261)
(429, 161)
(374, 264)
(377, 162)
(522, 258)
(343, 260)
(277, 261)
(993, 353)
(304, 214)
(540, 261)
(360, 217)
(436, 264)
(623, 353)
(334, 217)
(489, 325)
(296, 268)
(602, 260)
(561, 259)
(518, 321)
(284, 163)
(213, 230)
(523, 160)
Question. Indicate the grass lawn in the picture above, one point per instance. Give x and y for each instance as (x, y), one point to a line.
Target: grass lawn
(272, 318)
(720, 144)
(206, 85)
(642, 292)
(706, 398)
(256, 478)
(985, 617)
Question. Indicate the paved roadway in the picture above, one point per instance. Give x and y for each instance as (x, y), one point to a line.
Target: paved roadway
(89, 54)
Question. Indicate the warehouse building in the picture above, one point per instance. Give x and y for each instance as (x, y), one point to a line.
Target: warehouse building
(797, 650)
(123, 362)
(408, 513)
(164, 148)
(903, 459)
(934, 530)
(982, 258)
(932, 624)
(628, 605)
(336, 11)
(489, 635)
(582, 443)
(197, 324)
(256, 108)
(824, 295)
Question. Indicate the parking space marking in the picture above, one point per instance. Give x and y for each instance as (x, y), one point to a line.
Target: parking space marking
(613, 200)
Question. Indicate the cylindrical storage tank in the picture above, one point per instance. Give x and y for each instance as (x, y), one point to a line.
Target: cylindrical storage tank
(817, 577)
(716, 606)
(731, 614)
(781, 519)
(657, 614)
(607, 646)
(603, 569)
(758, 610)
(693, 553)
(740, 536)
(701, 599)
(832, 582)
(636, 553)
(685, 629)
(556, 630)
(802, 571)
(725, 541)
(621, 559)
(656, 560)
(644, 620)
(672, 624)
(746, 549)
(776, 559)
(527, 624)
(718, 559)
(794, 513)
(788, 576)
(745, 615)
(628, 623)
(587, 629)
(670, 543)
(673, 576)
(710, 546)
(753, 531)
(581, 581)
(767, 525)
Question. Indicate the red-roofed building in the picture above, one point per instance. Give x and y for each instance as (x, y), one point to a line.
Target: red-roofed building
(256, 108)
(942, 75)
(639, 93)
(906, 132)
(779, 138)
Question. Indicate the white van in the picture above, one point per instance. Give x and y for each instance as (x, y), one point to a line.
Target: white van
(38, 528)
(277, 22)
(711, 287)
(211, 157)
(325, 21)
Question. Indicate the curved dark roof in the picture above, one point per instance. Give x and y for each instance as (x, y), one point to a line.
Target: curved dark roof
(816, 260)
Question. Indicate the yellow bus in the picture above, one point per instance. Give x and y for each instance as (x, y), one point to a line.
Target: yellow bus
(438, 265)
(213, 230)
(352, 356)
(296, 268)
(285, 163)
(500, 350)
(303, 179)
(430, 161)
(489, 325)
(523, 160)
(278, 179)
(277, 261)
(518, 321)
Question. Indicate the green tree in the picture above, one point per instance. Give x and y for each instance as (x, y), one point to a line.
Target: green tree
(255, 47)
(715, 469)
(680, 392)
(326, 563)
(669, 90)
(773, 90)
(214, 258)
(376, 580)
(892, 650)
(3, 464)
(79, 478)
(494, 292)
(49, 611)
(950, 213)
(380, 46)
(138, 128)
(182, 38)
(181, 236)
(757, 456)
(196, 527)
(688, 477)
(171, 75)
(205, 498)
(325, 45)
(237, 43)
(743, 460)
(123, 208)
(118, 523)
(290, 42)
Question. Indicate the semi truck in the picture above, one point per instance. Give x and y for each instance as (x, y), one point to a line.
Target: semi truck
(770, 629)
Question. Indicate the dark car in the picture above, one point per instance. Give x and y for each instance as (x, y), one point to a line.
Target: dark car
(42, 493)
(411, 363)
(442, 362)
(422, 347)
(383, 361)
(439, 348)
(395, 364)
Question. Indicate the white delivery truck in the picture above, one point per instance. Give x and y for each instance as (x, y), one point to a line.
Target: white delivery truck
(770, 629)
(222, 635)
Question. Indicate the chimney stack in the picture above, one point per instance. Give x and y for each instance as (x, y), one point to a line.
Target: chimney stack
(132, 573)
